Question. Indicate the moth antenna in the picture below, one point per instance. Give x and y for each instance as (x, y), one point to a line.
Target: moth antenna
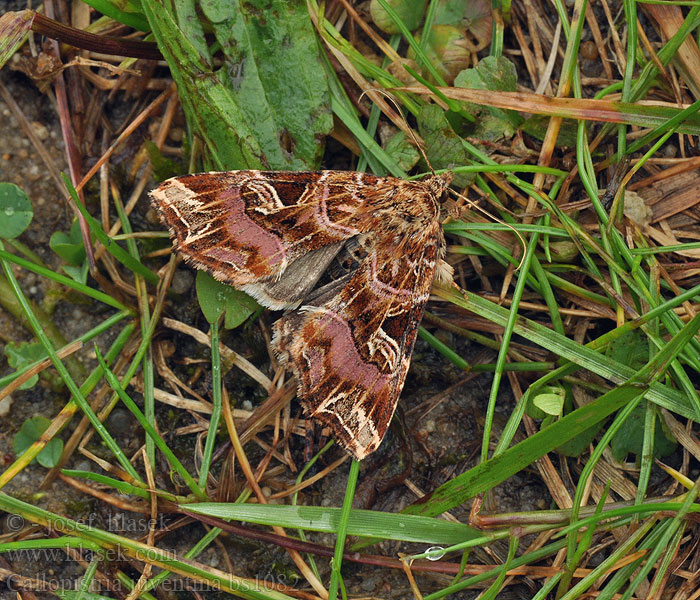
(416, 141)
(494, 218)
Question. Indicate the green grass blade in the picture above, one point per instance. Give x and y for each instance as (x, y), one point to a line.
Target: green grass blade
(366, 523)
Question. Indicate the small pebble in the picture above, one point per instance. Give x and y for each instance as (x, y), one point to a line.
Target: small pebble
(40, 130)
(589, 50)
(33, 173)
(669, 151)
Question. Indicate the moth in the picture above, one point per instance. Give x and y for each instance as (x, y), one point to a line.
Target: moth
(272, 234)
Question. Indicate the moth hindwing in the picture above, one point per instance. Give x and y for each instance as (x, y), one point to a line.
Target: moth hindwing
(272, 234)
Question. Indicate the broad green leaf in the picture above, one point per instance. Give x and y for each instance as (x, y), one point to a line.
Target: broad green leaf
(442, 145)
(69, 246)
(29, 433)
(630, 437)
(495, 74)
(448, 50)
(409, 11)
(402, 151)
(211, 110)
(475, 15)
(266, 106)
(492, 73)
(22, 354)
(16, 211)
(549, 401)
(78, 274)
(216, 297)
(631, 349)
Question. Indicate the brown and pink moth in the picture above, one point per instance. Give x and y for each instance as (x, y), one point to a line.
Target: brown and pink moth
(272, 234)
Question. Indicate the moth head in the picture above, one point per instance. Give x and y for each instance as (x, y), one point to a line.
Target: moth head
(438, 184)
